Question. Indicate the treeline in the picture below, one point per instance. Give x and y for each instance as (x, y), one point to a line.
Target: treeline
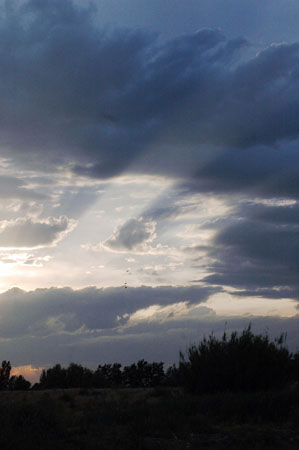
(14, 382)
(143, 374)
(242, 362)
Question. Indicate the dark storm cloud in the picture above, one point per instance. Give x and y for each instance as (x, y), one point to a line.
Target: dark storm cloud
(70, 91)
(266, 21)
(29, 233)
(267, 171)
(280, 214)
(49, 311)
(257, 251)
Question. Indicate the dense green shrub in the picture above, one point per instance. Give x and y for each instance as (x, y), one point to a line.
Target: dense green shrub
(245, 362)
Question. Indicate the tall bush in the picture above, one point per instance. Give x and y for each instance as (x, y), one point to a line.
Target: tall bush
(244, 362)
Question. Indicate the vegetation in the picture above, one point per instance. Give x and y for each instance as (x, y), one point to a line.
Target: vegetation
(12, 383)
(152, 418)
(245, 362)
(4, 374)
(234, 392)
(142, 374)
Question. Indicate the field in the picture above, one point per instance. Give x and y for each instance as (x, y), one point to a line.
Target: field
(148, 419)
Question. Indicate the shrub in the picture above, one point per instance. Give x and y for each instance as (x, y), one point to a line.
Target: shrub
(245, 362)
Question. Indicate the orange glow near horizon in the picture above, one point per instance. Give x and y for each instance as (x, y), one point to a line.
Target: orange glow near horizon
(30, 373)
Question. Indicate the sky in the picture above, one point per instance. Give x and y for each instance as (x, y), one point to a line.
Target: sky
(149, 177)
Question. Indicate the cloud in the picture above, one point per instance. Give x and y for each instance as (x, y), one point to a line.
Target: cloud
(257, 251)
(30, 373)
(199, 109)
(16, 188)
(135, 235)
(45, 312)
(28, 233)
(94, 326)
(265, 171)
(23, 258)
(195, 105)
(152, 340)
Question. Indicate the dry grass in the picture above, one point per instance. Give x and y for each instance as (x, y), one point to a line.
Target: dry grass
(148, 419)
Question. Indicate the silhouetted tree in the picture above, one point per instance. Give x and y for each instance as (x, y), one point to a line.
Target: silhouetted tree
(116, 375)
(157, 374)
(18, 383)
(173, 376)
(143, 374)
(4, 374)
(103, 375)
(131, 376)
(78, 376)
(98, 379)
(52, 378)
(295, 367)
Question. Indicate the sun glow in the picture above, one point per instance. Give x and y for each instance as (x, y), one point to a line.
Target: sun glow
(29, 372)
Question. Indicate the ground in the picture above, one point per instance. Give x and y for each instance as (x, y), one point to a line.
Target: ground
(149, 419)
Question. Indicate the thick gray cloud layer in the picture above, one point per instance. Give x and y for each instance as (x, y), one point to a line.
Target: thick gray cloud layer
(47, 326)
(257, 251)
(267, 21)
(69, 337)
(191, 105)
(50, 311)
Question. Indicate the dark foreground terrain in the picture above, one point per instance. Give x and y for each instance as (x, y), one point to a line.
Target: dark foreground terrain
(156, 418)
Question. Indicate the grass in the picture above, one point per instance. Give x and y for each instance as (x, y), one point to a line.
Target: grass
(148, 419)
